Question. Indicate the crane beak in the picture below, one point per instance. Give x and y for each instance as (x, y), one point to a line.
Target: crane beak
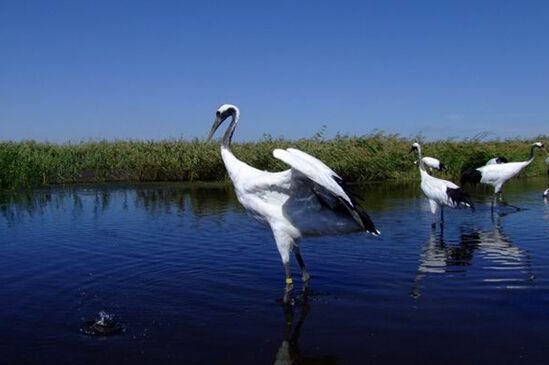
(411, 150)
(217, 122)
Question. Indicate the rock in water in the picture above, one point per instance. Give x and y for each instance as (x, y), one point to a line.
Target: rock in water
(104, 326)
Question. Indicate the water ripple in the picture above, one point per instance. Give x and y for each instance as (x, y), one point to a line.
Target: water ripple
(189, 271)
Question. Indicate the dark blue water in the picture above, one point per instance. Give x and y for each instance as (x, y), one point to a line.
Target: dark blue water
(197, 281)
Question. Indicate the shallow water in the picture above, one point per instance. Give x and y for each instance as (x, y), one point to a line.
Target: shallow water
(195, 280)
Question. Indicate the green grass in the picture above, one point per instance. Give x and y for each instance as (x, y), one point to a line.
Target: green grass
(374, 157)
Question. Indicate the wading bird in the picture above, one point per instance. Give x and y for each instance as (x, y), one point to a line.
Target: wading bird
(433, 163)
(497, 160)
(498, 174)
(308, 199)
(441, 193)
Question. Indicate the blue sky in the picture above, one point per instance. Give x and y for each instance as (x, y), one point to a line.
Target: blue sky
(78, 70)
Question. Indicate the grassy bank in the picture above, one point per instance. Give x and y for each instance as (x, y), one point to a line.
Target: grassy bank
(367, 158)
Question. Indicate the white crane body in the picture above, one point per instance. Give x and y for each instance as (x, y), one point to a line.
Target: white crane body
(498, 174)
(306, 200)
(440, 193)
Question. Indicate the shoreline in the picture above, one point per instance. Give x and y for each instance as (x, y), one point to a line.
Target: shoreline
(370, 158)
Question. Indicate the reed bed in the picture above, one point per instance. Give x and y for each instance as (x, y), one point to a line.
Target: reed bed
(374, 157)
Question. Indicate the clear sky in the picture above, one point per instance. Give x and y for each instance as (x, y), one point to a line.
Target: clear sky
(77, 69)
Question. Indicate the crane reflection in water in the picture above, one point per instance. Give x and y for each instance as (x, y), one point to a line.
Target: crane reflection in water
(289, 351)
(505, 264)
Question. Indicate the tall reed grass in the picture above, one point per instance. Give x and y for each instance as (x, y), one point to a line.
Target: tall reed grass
(374, 157)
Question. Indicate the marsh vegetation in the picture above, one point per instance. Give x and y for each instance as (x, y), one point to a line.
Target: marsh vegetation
(373, 157)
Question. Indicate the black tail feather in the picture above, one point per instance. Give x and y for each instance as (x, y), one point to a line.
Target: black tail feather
(471, 176)
(356, 210)
(367, 221)
(460, 198)
(360, 216)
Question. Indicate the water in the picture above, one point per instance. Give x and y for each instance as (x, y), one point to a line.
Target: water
(194, 280)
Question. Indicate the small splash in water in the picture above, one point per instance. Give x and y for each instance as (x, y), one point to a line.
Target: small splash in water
(104, 326)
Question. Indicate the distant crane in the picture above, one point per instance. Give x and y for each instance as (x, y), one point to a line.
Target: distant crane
(308, 199)
(433, 163)
(498, 174)
(497, 160)
(441, 193)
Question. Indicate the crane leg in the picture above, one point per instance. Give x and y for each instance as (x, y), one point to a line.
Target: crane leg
(304, 273)
(284, 244)
(510, 205)
(289, 283)
(434, 206)
(441, 216)
(500, 200)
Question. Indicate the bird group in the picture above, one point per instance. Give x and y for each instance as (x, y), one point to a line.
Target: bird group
(310, 199)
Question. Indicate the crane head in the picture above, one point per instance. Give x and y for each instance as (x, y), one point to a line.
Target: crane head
(223, 112)
(539, 145)
(415, 147)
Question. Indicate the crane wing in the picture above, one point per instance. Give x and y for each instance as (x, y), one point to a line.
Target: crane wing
(314, 170)
(327, 185)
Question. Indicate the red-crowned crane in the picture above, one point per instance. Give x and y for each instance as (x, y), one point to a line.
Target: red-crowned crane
(433, 163)
(498, 174)
(309, 199)
(441, 193)
(497, 160)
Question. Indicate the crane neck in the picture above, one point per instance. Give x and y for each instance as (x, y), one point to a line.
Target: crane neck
(233, 165)
(228, 136)
(420, 162)
(531, 158)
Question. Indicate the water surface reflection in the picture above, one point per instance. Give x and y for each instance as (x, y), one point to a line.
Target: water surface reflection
(504, 263)
(289, 351)
(196, 280)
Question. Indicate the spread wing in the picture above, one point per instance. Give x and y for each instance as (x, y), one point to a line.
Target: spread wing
(328, 186)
